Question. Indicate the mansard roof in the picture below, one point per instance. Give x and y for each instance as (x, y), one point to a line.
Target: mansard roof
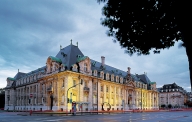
(19, 75)
(107, 69)
(144, 78)
(69, 55)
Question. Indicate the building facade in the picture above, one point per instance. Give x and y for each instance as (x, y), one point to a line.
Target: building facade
(173, 95)
(72, 77)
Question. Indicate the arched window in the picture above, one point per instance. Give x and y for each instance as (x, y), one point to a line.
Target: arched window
(95, 72)
(117, 79)
(85, 67)
(107, 76)
(112, 77)
(102, 75)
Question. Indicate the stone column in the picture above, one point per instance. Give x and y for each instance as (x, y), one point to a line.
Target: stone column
(90, 97)
(98, 97)
(104, 93)
(115, 101)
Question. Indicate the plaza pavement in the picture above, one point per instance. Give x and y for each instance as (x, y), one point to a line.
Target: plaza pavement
(158, 116)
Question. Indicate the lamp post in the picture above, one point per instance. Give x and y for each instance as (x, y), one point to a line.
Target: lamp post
(70, 88)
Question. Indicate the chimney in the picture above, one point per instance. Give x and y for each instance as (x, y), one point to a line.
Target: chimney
(129, 71)
(102, 60)
(18, 70)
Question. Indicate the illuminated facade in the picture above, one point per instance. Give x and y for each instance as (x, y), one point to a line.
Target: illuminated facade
(104, 87)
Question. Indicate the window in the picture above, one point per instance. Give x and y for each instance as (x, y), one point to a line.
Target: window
(63, 84)
(62, 99)
(102, 75)
(94, 86)
(117, 79)
(95, 72)
(117, 91)
(85, 67)
(121, 80)
(101, 88)
(107, 89)
(107, 76)
(94, 99)
(74, 82)
(112, 77)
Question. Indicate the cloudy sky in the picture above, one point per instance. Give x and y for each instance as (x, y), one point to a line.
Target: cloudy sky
(32, 30)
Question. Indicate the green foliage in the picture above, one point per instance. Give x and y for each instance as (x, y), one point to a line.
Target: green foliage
(143, 25)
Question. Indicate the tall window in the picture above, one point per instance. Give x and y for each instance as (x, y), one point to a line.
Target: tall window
(94, 99)
(94, 86)
(62, 99)
(117, 79)
(112, 77)
(107, 89)
(107, 76)
(101, 88)
(102, 75)
(74, 82)
(85, 66)
(95, 72)
(63, 84)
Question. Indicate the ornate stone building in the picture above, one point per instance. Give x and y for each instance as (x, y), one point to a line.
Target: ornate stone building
(71, 76)
(172, 94)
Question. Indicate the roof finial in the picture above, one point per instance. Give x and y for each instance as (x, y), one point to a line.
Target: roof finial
(18, 70)
(77, 44)
(60, 47)
(71, 41)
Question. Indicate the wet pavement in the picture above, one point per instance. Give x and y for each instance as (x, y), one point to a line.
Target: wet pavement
(176, 116)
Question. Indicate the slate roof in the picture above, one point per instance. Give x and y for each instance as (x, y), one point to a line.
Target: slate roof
(144, 78)
(19, 75)
(69, 55)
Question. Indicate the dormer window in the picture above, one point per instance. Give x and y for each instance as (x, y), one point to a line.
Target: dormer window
(85, 67)
(121, 80)
(95, 72)
(117, 78)
(107, 76)
(112, 77)
(102, 75)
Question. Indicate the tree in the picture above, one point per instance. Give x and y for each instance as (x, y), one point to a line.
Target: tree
(143, 25)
